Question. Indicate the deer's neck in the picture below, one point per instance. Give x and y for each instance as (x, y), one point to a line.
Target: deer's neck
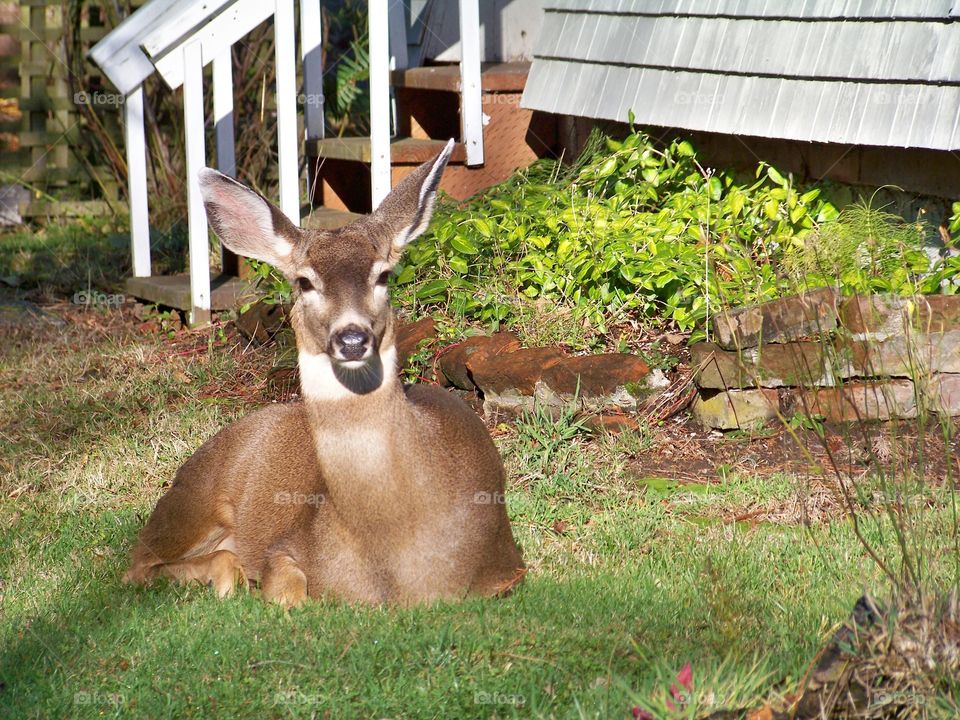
(354, 418)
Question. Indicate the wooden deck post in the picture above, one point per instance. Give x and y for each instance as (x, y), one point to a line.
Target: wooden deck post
(287, 140)
(311, 48)
(196, 159)
(224, 134)
(471, 90)
(136, 147)
(379, 101)
(223, 113)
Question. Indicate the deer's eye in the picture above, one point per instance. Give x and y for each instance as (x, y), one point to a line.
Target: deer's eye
(304, 285)
(384, 278)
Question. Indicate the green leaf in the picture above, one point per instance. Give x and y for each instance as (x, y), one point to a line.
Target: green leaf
(736, 204)
(432, 290)
(459, 265)
(827, 213)
(463, 244)
(715, 188)
(608, 167)
(775, 176)
(483, 227)
(406, 275)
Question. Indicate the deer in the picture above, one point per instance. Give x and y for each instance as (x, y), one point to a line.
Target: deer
(366, 490)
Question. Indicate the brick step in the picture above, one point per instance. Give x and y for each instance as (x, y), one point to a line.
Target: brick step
(403, 151)
(495, 77)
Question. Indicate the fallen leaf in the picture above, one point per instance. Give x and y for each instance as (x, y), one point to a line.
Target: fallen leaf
(764, 713)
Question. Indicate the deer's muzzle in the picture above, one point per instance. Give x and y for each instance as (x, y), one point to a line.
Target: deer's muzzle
(351, 343)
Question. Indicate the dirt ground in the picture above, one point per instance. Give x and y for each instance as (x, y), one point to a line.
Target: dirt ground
(679, 449)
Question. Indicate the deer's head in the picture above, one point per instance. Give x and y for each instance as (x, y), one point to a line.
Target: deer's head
(341, 313)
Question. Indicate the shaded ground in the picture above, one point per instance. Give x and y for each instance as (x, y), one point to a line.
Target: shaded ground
(690, 454)
(677, 449)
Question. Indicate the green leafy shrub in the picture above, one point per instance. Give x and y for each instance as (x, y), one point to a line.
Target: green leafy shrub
(865, 250)
(633, 233)
(629, 231)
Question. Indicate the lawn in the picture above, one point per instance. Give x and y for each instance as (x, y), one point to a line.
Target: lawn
(630, 577)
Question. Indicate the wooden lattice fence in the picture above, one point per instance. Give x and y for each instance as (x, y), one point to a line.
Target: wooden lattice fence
(60, 98)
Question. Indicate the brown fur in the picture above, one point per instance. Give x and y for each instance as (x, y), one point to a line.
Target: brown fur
(367, 491)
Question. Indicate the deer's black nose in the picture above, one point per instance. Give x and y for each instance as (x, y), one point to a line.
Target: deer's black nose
(351, 343)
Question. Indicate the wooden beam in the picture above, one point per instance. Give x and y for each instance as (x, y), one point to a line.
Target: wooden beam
(119, 54)
(179, 23)
(398, 36)
(223, 113)
(379, 101)
(196, 159)
(471, 90)
(286, 64)
(136, 147)
(311, 47)
(216, 36)
(224, 133)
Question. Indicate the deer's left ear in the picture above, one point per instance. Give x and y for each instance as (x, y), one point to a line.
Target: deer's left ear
(405, 213)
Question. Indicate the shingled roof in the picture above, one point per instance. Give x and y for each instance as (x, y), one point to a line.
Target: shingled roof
(864, 72)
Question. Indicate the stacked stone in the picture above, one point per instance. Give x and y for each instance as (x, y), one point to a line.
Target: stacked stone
(608, 389)
(876, 357)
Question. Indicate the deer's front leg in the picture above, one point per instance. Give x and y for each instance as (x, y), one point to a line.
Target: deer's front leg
(283, 581)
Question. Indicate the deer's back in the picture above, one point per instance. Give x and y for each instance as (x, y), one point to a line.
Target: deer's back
(455, 441)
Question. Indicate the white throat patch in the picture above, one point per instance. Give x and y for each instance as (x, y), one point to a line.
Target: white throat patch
(318, 380)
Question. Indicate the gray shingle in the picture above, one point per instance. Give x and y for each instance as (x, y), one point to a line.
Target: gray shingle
(882, 9)
(872, 72)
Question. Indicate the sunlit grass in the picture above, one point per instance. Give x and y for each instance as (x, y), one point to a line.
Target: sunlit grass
(629, 579)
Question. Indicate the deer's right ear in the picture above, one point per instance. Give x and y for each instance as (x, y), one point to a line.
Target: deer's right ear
(246, 222)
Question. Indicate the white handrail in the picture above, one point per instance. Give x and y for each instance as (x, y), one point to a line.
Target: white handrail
(471, 88)
(379, 101)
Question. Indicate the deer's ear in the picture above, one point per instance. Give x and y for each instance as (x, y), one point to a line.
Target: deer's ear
(246, 222)
(405, 213)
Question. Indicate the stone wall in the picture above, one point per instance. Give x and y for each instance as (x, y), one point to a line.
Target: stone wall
(876, 357)
(608, 389)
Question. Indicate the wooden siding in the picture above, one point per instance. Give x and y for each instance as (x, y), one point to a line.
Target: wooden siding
(867, 72)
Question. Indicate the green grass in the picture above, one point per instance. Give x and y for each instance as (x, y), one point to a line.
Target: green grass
(63, 259)
(629, 578)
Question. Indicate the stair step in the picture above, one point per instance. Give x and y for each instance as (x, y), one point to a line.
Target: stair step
(403, 151)
(495, 77)
(323, 218)
(226, 292)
